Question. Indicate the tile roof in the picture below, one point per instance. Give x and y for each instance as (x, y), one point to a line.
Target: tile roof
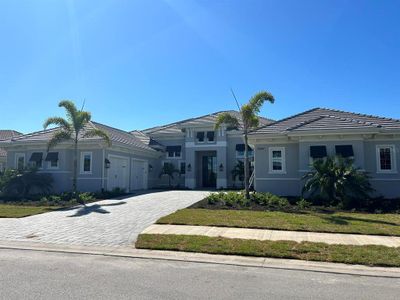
(5, 135)
(175, 128)
(116, 135)
(327, 119)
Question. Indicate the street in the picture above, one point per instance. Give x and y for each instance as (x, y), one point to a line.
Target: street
(28, 274)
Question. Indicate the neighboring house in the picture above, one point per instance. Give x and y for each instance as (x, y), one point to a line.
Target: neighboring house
(204, 156)
(4, 135)
(284, 150)
(124, 165)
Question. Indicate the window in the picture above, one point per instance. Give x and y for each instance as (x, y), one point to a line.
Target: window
(86, 162)
(240, 151)
(36, 160)
(344, 151)
(318, 152)
(19, 161)
(386, 159)
(200, 137)
(174, 151)
(210, 136)
(277, 160)
(52, 160)
(183, 168)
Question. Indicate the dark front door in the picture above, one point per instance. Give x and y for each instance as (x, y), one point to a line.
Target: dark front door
(209, 171)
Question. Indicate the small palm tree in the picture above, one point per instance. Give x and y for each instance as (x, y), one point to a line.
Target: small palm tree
(336, 180)
(73, 129)
(238, 172)
(250, 120)
(169, 169)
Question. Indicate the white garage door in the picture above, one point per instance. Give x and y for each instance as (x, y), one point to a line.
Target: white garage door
(139, 174)
(118, 173)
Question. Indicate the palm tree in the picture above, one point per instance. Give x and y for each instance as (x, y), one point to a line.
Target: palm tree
(73, 129)
(250, 120)
(169, 169)
(336, 180)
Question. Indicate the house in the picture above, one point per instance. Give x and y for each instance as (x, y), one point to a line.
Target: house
(204, 156)
(284, 150)
(281, 152)
(124, 165)
(4, 135)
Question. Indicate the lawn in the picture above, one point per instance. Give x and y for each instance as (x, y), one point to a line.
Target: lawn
(366, 255)
(335, 222)
(20, 211)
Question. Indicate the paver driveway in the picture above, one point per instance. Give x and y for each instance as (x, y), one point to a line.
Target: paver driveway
(103, 223)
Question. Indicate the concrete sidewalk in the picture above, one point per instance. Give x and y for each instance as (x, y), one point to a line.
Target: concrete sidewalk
(275, 235)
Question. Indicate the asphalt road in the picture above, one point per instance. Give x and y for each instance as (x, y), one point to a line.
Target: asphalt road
(43, 275)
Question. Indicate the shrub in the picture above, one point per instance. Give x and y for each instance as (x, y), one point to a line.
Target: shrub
(270, 201)
(303, 204)
(86, 197)
(22, 183)
(337, 182)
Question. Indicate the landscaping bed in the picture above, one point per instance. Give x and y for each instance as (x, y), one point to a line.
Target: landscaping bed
(370, 255)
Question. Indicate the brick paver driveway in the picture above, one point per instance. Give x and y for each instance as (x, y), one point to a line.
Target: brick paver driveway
(103, 223)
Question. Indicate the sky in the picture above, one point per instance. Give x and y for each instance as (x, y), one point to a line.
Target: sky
(138, 64)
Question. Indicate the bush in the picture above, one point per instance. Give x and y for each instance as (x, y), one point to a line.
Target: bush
(270, 201)
(303, 204)
(23, 183)
(335, 181)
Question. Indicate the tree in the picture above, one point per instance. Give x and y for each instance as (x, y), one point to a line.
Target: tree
(73, 128)
(249, 120)
(336, 180)
(169, 169)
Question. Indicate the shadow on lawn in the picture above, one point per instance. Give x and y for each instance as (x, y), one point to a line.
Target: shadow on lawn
(342, 220)
(95, 208)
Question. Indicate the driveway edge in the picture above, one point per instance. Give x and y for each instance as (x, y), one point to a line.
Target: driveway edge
(243, 261)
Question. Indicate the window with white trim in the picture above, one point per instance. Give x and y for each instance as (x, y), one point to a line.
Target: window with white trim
(86, 162)
(386, 159)
(174, 151)
(277, 163)
(19, 161)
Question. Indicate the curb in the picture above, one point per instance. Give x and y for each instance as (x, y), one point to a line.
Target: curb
(240, 261)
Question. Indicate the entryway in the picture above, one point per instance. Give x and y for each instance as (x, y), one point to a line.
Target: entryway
(207, 172)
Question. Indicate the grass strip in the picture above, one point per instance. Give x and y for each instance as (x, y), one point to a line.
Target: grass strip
(20, 211)
(370, 255)
(338, 222)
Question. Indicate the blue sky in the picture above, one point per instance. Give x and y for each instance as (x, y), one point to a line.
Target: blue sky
(143, 63)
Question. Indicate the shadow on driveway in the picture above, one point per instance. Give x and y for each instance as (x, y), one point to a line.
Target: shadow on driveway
(95, 208)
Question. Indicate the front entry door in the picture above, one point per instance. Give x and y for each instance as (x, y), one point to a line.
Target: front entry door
(209, 171)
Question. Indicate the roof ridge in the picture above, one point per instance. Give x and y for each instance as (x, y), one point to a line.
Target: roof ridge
(158, 128)
(356, 121)
(361, 114)
(301, 124)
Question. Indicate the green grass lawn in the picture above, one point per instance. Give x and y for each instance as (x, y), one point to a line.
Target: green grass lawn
(19, 211)
(339, 222)
(367, 255)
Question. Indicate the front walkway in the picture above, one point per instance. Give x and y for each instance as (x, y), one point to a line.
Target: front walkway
(104, 223)
(275, 235)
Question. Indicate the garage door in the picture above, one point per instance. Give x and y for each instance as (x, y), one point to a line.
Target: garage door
(118, 173)
(139, 174)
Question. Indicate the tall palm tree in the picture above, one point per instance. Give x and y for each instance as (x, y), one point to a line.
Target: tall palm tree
(70, 130)
(250, 120)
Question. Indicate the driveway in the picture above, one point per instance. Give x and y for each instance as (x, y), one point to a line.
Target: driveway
(104, 223)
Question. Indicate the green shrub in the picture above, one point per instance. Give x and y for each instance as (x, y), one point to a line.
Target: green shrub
(23, 183)
(270, 201)
(86, 197)
(303, 204)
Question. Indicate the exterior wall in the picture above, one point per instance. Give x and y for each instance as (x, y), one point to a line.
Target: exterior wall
(286, 184)
(3, 163)
(232, 160)
(386, 184)
(298, 163)
(94, 181)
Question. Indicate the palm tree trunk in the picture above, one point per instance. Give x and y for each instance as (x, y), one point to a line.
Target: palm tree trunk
(246, 165)
(75, 170)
